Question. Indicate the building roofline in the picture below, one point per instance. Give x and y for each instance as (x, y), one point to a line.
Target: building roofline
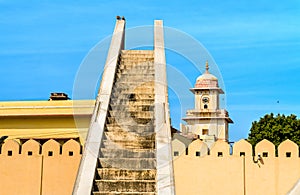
(47, 108)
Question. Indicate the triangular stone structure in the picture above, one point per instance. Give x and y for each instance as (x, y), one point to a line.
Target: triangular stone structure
(128, 147)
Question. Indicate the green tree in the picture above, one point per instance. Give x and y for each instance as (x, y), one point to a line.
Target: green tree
(275, 129)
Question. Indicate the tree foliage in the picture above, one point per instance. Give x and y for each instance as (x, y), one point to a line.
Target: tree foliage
(275, 129)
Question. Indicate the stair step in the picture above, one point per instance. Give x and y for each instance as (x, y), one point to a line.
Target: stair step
(128, 144)
(136, 70)
(134, 66)
(138, 73)
(144, 61)
(123, 174)
(138, 58)
(129, 93)
(131, 101)
(128, 113)
(122, 83)
(123, 115)
(123, 193)
(120, 136)
(136, 76)
(146, 129)
(137, 54)
(126, 153)
(126, 186)
(138, 132)
(130, 120)
(125, 102)
(137, 51)
(128, 163)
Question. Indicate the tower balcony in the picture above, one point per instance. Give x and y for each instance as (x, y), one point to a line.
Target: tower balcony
(208, 113)
(200, 114)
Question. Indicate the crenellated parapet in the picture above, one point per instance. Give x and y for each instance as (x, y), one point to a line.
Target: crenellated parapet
(29, 168)
(264, 148)
(34, 148)
(241, 170)
(32, 168)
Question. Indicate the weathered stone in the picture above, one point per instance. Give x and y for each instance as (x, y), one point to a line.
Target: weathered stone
(126, 185)
(122, 174)
(127, 159)
(124, 193)
(128, 144)
(126, 153)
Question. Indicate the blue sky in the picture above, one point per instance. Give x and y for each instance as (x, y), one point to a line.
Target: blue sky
(256, 45)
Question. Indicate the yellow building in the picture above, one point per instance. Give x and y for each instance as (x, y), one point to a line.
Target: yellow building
(43, 120)
(43, 149)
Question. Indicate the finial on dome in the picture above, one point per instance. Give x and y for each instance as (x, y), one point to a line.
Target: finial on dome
(206, 66)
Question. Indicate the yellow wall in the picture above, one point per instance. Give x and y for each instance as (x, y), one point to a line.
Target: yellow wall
(215, 173)
(235, 174)
(38, 173)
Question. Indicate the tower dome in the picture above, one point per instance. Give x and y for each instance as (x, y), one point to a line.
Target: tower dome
(207, 80)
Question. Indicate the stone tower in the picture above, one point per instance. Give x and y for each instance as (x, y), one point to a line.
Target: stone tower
(207, 121)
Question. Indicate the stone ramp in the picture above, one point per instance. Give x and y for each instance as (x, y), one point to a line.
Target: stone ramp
(127, 160)
(124, 141)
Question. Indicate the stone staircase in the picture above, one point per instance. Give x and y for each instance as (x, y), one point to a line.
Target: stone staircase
(127, 160)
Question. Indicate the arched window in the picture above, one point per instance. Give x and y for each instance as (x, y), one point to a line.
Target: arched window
(205, 106)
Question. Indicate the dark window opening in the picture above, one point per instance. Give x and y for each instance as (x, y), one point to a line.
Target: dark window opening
(186, 151)
(176, 153)
(288, 154)
(265, 154)
(29, 153)
(220, 154)
(205, 106)
(242, 153)
(204, 131)
(197, 153)
(50, 153)
(9, 153)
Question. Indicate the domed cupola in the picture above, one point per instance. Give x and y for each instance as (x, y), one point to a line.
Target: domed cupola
(206, 80)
